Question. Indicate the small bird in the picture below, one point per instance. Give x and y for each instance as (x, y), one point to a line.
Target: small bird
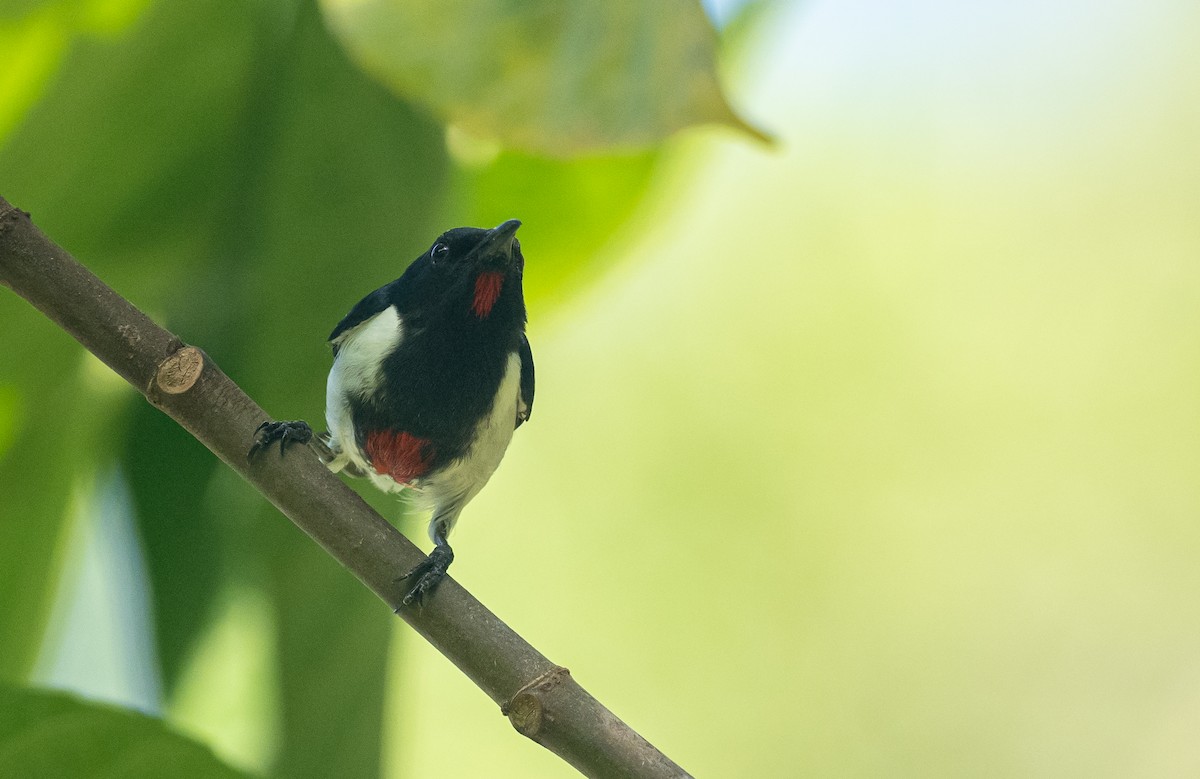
(431, 375)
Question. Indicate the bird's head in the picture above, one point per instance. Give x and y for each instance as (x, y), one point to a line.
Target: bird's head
(469, 271)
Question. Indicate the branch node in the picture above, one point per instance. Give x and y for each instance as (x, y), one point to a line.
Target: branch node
(9, 213)
(524, 709)
(525, 713)
(178, 373)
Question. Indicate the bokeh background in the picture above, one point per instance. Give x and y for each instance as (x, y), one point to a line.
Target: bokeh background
(871, 452)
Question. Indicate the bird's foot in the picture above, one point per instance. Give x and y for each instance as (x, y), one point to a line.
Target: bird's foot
(427, 573)
(284, 432)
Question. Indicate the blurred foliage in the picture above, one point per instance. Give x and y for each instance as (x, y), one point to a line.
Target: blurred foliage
(226, 166)
(103, 741)
(34, 36)
(9, 411)
(46, 386)
(542, 76)
(891, 435)
(592, 197)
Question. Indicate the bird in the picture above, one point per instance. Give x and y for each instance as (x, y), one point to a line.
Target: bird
(432, 373)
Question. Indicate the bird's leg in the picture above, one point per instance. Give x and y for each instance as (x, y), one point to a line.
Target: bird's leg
(427, 573)
(284, 432)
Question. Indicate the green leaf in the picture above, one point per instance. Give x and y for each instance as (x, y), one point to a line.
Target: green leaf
(545, 77)
(570, 209)
(47, 734)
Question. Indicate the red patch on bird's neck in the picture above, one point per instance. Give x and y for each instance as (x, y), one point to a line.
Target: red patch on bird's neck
(398, 454)
(487, 290)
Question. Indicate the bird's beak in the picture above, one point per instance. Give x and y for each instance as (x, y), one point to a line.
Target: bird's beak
(498, 243)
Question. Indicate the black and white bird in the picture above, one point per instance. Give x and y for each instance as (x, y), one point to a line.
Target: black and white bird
(431, 375)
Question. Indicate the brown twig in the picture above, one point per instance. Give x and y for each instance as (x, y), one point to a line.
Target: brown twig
(541, 699)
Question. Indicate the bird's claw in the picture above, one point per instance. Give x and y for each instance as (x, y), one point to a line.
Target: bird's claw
(427, 574)
(284, 432)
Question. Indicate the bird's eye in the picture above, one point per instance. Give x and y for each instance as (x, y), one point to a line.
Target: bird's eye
(439, 252)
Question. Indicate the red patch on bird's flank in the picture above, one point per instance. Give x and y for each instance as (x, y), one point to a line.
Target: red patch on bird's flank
(398, 454)
(487, 290)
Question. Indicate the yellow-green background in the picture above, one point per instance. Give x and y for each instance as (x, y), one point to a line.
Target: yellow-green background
(874, 454)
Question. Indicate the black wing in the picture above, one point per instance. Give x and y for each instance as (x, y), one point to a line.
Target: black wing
(526, 355)
(363, 310)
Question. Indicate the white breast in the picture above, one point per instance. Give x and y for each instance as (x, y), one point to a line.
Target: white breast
(355, 373)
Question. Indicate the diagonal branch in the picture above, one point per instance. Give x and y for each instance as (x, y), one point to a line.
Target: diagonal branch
(541, 699)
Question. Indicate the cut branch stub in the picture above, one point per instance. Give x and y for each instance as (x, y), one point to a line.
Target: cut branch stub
(178, 373)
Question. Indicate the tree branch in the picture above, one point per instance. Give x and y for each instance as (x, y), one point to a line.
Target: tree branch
(541, 699)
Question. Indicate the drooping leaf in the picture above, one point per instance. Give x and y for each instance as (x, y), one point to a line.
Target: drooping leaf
(159, 106)
(545, 77)
(332, 652)
(49, 734)
(349, 186)
(52, 441)
(283, 185)
(169, 473)
(53, 437)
